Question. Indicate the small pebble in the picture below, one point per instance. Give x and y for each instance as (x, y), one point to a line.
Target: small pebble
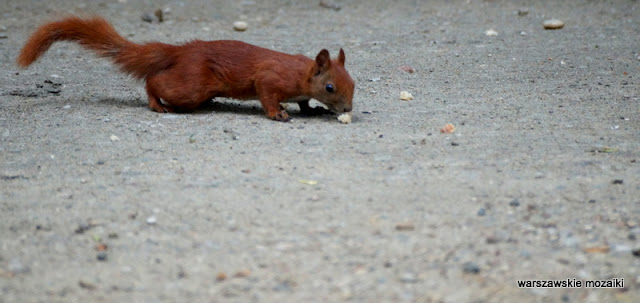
(283, 286)
(491, 33)
(114, 138)
(3, 36)
(636, 252)
(240, 26)
(101, 256)
(82, 228)
(152, 220)
(147, 17)
(470, 268)
(553, 24)
(407, 69)
(409, 277)
(514, 202)
(242, 274)
(15, 266)
(523, 11)
(406, 226)
(330, 5)
(86, 285)
(405, 95)
(481, 212)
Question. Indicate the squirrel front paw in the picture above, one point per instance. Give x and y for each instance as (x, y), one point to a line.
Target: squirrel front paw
(282, 116)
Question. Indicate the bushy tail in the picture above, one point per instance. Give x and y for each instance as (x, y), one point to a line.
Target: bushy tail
(98, 35)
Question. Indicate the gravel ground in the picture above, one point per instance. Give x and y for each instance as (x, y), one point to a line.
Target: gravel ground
(103, 200)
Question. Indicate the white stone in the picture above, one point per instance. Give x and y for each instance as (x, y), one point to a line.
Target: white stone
(553, 24)
(491, 33)
(345, 118)
(240, 26)
(405, 95)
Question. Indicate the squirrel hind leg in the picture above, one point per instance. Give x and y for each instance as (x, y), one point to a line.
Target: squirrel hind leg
(156, 105)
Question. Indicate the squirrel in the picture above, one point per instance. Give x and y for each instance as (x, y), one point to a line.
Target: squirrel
(180, 78)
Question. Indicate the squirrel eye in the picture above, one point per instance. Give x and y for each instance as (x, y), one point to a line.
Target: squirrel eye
(329, 88)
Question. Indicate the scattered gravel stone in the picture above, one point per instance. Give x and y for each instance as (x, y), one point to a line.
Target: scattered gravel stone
(617, 181)
(82, 228)
(152, 220)
(491, 33)
(283, 286)
(114, 138)
(86, 285)
(407, 69)
(240, 26)
(405, 95)
(101, 256)
(330, 5)
(3, 36)
(16, 266)
(515, 202)
(636, 252)
(147, 17)
(481, 212)
(221, 276)
(553, 24)
(523, 11)
(405, 226)
(409, 277)
(470, 268)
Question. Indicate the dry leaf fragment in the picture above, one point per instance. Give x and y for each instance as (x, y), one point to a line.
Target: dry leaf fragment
(242, 274)
(448, 129)
(221, 276)
(407, 69)
(308, 182)
(602, 249)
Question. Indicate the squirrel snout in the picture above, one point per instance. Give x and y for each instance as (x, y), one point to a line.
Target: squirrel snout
(347, 109)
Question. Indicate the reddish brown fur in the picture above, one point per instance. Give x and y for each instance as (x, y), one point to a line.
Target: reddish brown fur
(182, 77)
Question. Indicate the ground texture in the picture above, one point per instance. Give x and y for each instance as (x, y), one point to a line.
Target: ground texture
(103, 200)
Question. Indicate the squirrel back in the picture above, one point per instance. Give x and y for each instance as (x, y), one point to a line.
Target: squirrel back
(98, 35)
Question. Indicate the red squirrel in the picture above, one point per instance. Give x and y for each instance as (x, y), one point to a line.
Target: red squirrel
(179, 78)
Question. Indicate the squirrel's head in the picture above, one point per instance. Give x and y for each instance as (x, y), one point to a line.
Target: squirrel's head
(331, 83)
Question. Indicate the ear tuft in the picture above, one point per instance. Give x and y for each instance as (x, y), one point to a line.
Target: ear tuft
(341, 57)
(323, 61)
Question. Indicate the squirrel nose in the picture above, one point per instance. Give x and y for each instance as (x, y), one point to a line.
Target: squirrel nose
(347, 109)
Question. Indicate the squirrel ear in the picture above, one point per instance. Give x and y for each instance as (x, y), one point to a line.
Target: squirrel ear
(341, 57)
(323, 61)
